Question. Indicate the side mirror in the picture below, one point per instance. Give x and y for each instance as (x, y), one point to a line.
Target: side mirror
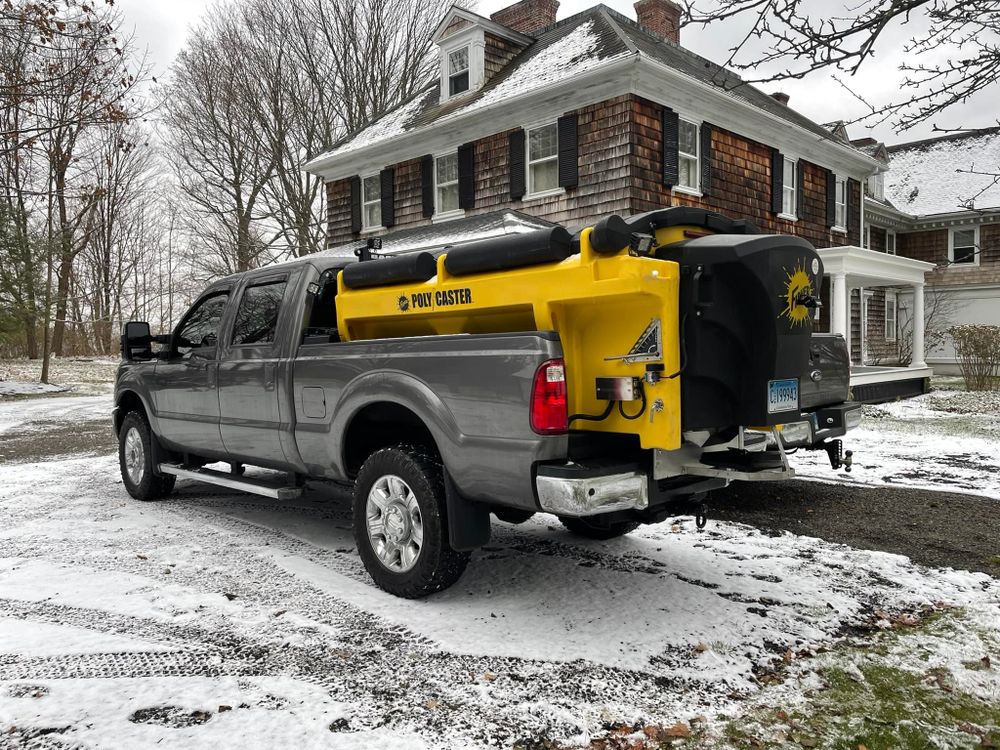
(136, 341)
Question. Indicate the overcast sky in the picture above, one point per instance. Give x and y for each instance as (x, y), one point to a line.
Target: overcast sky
(161, 26)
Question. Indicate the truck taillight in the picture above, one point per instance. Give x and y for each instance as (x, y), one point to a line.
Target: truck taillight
(548, 399)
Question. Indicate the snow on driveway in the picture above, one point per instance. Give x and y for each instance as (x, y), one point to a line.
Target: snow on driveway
(944, 440)
(41, 413)
(214, 617)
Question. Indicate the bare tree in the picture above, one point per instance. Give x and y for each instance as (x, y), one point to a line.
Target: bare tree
(791, 39)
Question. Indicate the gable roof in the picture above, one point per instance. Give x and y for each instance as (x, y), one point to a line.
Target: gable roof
(598, 37)
(932, 176)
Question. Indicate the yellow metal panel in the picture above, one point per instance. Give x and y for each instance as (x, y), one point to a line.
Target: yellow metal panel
(598, 304)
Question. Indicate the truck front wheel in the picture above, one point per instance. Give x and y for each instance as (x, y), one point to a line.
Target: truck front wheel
(135, 457)
(595, 527)
(400, 523)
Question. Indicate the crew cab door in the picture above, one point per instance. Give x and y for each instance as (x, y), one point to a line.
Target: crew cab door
(185, 392)
(251, 374)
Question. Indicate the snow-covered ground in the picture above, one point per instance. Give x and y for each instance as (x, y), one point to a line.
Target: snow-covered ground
(20, 377)
(215, 618)
(946, 440)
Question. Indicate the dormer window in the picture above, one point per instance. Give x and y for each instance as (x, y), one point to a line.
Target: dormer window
(458, 71)
(463, 38)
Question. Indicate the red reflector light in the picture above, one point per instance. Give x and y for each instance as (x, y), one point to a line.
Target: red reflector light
(548, 399)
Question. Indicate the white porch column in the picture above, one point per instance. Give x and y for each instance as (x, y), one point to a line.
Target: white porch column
(918, 327)
(841, 312)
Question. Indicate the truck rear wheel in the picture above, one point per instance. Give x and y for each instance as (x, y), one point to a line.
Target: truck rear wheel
(595, 527)
(400, 523)
(135, 457)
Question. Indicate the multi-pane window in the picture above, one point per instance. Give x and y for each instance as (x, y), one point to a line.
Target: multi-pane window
(788, 202)
(543, 159)
(687, 154)
(890, 242)
(891, 308)
(446, 183)
(458, 71)
(371, 201)
(875, 186)
(257, 315)
(840, 204)
(963, 246)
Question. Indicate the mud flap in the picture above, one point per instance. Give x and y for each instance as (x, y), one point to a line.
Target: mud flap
(468, 522)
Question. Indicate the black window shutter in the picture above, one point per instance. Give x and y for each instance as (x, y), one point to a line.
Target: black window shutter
(670, 135)
(427, 184)
(777, 179)
(706, 158)
(517, 177)
(852, 210)
(569, 155)
(467, 176)
(356, 203)
(800, 188)
(831, 198)
(387, 196)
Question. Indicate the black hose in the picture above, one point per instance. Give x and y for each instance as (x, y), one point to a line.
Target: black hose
(684, 353)
(593, 417)
(642, 409)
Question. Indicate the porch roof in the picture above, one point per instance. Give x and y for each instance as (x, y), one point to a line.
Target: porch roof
(870, 268)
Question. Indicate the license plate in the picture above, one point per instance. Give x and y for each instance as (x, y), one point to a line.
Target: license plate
(782, 395)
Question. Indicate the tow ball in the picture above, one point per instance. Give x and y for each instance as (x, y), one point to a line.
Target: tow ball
(838, 456)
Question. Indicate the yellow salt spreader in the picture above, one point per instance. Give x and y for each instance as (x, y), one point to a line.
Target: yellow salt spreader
(684, 333)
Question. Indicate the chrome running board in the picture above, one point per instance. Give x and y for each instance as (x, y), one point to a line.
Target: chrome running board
(244, 484)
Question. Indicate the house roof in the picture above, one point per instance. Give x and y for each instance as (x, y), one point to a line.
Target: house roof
(590, 39)
(946, 174)
(449, 233)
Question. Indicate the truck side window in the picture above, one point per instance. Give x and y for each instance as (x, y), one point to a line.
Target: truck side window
(200, 328)
(257, 316)
(321, 325)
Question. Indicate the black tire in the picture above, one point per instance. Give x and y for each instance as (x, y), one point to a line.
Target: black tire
(595, 527)
(513, 515)
(145, 485)
(436, 566)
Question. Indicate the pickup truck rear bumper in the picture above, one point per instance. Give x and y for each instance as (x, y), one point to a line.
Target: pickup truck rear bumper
(573, 490)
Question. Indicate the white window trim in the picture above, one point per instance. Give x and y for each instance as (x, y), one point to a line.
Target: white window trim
(474, 38)
(558, 190)
(951, 247)
(468, 68)
(839, 228)
(895, 239)
(893, 296)
(365, 226)
(794, 214)
(445, 215)
(866, 237)
(694, 190)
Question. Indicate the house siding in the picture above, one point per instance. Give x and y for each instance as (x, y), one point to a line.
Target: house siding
(741, 181)
(932, 246)
(620, 171)
(497, 53)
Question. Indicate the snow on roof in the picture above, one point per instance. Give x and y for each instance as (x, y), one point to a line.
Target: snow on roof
(939, 175)
(567, 56)
(440, 236)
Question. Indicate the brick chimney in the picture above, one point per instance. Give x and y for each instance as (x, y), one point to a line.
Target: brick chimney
(527, 16)
(780, 96)
(660, 18)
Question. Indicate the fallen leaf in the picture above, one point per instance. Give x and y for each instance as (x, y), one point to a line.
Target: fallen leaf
(680, 729)
(432, 704)
(862, 746)
(489, 676)
(142, 557)
(223, 709)
(230, 597)
(701, 648)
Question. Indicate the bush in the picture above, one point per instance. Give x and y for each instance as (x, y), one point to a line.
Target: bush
(978, 351)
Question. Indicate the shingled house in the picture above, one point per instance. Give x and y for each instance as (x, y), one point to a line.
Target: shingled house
(533, 120)
(939, 202)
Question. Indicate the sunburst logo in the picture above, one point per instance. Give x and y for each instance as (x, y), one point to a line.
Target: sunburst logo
(799, 286)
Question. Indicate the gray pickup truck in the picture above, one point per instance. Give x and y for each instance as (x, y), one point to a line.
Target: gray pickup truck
(434, 433)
